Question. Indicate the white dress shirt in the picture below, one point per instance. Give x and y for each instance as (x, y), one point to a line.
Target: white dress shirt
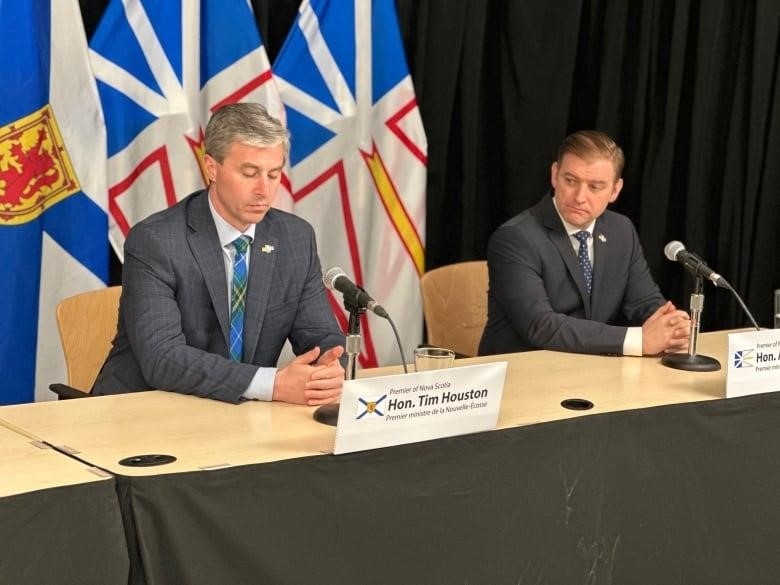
(262, 385)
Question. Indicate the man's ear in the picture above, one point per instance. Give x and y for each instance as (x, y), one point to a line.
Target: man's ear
(554, 174)
(210, 166)
(616, 190)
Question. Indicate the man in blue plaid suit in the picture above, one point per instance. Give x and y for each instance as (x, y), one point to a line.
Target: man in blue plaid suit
(201, 313)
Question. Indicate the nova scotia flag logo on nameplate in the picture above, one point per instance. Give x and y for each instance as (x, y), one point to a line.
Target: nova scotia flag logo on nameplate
(406, 408)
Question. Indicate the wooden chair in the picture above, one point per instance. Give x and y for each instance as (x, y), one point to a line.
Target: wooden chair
(455, 305)
(87, 323)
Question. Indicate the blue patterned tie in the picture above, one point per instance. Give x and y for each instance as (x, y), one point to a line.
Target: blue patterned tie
(238, 297)
(584, 259)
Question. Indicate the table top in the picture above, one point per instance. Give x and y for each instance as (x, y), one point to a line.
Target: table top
(538, 381)
(207, 434)
(27, 467)
(200, 433)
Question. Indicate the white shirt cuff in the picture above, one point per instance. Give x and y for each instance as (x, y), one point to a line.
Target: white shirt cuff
(632, 344)
(262, 385)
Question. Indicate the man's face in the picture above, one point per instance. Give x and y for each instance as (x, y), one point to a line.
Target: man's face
(244, 185)
(584, 188)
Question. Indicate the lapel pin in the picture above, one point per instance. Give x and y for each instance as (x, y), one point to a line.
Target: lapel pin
(602, 239)
(267, 249)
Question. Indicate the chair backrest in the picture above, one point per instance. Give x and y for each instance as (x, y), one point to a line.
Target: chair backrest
(455, 305)
(87, 323)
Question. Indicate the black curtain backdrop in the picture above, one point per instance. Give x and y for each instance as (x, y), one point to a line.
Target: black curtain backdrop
(689, 88)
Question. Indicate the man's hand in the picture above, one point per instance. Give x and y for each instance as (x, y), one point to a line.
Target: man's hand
(667, 329)
(330, 356)
(300, 382)
(324, 386)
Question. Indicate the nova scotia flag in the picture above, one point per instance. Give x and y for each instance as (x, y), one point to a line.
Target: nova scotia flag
(359, 158)
(53, 222)
(162, 68)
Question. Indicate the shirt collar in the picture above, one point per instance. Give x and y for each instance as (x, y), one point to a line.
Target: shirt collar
(226, 232)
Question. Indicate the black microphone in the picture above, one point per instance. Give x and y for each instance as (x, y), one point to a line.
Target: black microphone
(336, 279)
(676, 252)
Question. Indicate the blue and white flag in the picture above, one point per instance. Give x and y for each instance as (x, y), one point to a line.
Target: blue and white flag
(162, 69)
(359, 158)
(53, 222)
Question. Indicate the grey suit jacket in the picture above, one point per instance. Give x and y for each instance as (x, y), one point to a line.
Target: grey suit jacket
(174, 309)
(537, 297)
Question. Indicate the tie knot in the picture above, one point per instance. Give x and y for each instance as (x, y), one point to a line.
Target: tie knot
(582, 236)
(240, 244)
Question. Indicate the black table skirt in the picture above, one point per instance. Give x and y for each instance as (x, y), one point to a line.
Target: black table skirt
(676, 494)
(70, 535)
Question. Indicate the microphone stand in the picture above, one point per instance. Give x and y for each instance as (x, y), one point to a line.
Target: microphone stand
(328, 414)
(690, 361)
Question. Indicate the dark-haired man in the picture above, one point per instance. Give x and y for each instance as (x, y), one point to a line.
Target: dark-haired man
(569, 275)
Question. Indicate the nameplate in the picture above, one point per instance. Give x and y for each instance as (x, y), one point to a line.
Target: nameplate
(407, 408)
(754, 363)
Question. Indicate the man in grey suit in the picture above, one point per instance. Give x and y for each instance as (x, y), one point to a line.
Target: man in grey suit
(569, 275)
(220, 262)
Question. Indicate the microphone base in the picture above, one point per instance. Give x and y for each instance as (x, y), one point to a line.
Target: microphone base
(690, 363)
(327, 414)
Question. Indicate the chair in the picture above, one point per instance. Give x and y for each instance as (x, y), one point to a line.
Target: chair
(455, 305)
(87, 323)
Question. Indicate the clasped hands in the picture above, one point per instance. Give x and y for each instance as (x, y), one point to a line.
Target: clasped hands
(668, 329)
(311, 378)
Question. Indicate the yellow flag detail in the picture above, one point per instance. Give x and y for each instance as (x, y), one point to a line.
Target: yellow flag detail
(395, 209)
(35, 169)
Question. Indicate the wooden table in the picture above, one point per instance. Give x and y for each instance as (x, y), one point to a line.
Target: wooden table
(680, 493)
(55, 512)
(27, 465)
(205, 434)
(200, 433)
(538, 381)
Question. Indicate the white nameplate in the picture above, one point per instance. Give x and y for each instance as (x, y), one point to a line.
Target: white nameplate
(754, 363)
(406, 408)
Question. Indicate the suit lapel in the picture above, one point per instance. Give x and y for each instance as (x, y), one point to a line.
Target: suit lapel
(262, 262)
(204, 243)
(601, 260)
(560, 239)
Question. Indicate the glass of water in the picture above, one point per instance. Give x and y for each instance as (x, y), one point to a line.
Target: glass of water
(433, 358)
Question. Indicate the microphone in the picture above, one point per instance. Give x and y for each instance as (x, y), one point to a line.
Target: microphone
(676, 252)
(336, 279)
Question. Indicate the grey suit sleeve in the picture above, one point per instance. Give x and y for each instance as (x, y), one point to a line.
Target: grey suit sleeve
(153, 288)
(532, 289)
(642, 295)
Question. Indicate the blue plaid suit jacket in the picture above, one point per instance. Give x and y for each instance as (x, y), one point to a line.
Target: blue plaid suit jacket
(174, 310)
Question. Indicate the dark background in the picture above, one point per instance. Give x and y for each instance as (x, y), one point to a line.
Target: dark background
(688, 88)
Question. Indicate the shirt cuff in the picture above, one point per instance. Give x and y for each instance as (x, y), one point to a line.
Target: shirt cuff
(632, 344)
(262, 385)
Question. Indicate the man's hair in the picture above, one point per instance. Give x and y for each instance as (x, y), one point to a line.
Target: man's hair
(590, 144)
(249, 123)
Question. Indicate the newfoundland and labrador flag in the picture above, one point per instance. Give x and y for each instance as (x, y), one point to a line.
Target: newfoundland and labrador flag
(359, 158)
(53, 222)
(162, 69)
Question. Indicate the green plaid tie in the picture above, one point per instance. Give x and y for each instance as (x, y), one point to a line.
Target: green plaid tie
(238, 297)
